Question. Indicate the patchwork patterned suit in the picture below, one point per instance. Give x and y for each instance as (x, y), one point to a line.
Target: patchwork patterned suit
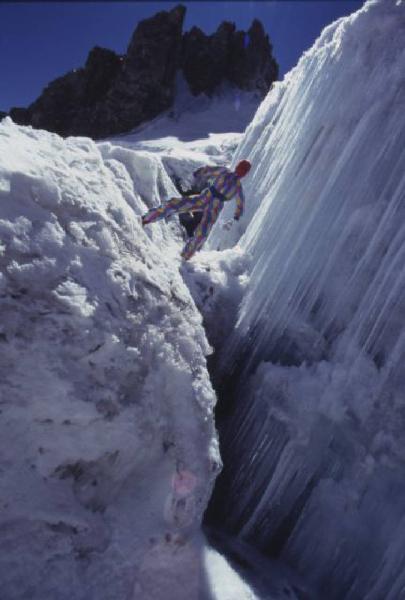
(223, 185)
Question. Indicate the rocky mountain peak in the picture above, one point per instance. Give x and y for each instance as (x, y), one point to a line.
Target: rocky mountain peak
(113, 94)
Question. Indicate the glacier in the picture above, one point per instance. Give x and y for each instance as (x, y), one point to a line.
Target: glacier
(312, 375)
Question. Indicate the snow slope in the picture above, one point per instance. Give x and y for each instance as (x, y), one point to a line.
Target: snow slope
(193, 118)
(108, 444)
(315, 450)
(196, 131)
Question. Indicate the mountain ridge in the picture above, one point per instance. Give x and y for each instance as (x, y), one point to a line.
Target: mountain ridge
(114, 93)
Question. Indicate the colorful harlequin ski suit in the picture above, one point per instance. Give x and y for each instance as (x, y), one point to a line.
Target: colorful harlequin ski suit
(223, 185)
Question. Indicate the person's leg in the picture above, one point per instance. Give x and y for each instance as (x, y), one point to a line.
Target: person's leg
(210, 215)
(173, 206)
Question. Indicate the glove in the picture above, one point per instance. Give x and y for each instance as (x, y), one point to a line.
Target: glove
(236, 218)
(227, 225)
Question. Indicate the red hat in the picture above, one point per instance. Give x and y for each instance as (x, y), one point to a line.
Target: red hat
(242, 168)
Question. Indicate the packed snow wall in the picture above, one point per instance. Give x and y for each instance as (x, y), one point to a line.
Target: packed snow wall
(314, 451)
(108, 448)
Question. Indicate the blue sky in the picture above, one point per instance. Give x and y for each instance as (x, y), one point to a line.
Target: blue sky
(41, 41)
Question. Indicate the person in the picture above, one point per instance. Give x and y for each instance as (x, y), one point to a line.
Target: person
(190, 220)
(222, 185)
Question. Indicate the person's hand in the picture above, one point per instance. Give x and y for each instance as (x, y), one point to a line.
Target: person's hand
(227, 225)
(236, 218)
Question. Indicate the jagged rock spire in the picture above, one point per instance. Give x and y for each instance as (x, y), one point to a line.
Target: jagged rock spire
(113, 94)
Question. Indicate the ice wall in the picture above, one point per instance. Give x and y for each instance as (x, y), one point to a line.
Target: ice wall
(108, 448)
(315, 448)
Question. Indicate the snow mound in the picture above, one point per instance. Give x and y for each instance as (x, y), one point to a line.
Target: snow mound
(217, 282)
(108, 444)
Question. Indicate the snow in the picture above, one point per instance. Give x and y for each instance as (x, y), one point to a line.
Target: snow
(195, 132)
(217, 282)
(246, 574)
(109, 450)
(315, 447)
(107, 406)
(196, 118)
(225, 583)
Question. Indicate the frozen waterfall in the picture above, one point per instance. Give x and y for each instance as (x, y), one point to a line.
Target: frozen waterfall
(314, 451)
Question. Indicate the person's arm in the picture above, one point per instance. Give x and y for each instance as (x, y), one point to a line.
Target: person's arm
(240, 203)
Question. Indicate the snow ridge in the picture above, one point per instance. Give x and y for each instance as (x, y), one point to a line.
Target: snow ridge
(108, 445)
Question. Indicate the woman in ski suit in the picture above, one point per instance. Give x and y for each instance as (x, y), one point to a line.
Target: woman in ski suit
(223, 185)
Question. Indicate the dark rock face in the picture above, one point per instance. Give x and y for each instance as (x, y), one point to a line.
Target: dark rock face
(206, 59)
(113, 94)
(244, 59)
(252, 66)
(67, 104)
(146, 84)
(101, 70)
(2, 115)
